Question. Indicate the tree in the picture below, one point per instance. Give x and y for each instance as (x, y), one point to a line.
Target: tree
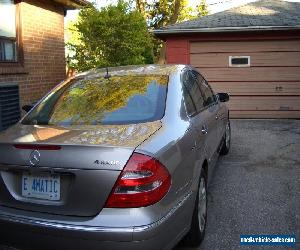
(117, 35)
(112, 36)
(202, 9)
(159, 13)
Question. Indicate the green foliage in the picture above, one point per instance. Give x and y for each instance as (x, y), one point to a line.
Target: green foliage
(201, 9)
(112, 36)
(159, 13)
(87, 100)
(118, 34)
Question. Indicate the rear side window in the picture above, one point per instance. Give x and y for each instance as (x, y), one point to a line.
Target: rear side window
(189, 104)
(91, 101)
(190, 83)
(208, 95)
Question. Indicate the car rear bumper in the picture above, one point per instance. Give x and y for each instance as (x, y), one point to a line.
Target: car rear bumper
(28, 233)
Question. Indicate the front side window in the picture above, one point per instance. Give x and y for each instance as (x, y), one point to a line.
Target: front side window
(98, 101)
(8, 41)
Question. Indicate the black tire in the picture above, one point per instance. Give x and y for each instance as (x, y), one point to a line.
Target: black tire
(226, 140)
(195, 236)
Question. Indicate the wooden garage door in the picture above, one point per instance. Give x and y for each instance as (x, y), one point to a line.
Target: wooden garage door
(269, 88)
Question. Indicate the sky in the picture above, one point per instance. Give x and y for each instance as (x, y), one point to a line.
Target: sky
(213, 5)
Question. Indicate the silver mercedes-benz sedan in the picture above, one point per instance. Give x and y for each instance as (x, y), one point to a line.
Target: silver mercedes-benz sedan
(116, 158)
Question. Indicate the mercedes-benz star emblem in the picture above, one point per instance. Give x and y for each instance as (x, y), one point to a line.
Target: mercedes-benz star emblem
(34, 157)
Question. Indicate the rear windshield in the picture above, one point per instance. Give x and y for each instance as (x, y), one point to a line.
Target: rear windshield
(91, 101)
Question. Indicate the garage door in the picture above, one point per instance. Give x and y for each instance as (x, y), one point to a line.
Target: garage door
(263, 80)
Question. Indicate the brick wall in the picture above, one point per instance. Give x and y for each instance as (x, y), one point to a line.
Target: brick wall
(42, 39)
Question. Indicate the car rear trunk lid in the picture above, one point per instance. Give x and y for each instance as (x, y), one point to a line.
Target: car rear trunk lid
(87, 160)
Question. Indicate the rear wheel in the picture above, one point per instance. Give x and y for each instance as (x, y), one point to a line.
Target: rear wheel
(197, 231)
(226, 140)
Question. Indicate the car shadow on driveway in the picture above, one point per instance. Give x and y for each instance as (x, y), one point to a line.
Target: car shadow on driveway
(255, 189)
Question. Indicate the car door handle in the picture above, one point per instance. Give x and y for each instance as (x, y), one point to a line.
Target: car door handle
(204, 129)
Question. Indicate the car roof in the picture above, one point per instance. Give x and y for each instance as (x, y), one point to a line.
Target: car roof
(153, 69)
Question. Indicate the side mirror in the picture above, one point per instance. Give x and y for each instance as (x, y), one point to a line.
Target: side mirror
(223, 97)
(28, 107)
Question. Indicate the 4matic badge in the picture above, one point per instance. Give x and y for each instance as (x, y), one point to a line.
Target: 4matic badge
(109, 163)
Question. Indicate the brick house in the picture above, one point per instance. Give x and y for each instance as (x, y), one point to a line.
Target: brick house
(251, 51)
(32, 52)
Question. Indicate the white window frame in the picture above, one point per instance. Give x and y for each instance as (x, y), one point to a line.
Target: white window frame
(239, 65)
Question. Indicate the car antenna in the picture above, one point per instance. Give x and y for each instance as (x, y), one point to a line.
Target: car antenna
(107, 76)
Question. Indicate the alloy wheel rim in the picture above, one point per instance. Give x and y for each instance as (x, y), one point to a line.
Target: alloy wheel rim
(202, 205)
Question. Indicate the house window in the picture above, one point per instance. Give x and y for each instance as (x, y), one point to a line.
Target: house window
(8, 34)
(239, 61)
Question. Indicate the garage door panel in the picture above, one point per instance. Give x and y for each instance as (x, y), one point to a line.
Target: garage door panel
(257, 88)
(244, 46)
(264, 103)
(252, 74)
(264, 114)
(256, 59)
(269, 88)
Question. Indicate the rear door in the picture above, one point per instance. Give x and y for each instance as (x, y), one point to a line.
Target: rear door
(198, 118)
(212, 108)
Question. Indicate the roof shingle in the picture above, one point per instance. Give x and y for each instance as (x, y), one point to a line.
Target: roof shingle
(254, 16)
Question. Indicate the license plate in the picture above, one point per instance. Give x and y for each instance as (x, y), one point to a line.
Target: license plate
(42, 186)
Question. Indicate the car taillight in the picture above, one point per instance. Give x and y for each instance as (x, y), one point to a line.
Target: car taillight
(143, 182)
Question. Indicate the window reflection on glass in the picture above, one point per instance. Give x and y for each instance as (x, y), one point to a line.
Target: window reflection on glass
(7, 31)
(7, 19)
(117, 100)
(9, 51)
(208, 95)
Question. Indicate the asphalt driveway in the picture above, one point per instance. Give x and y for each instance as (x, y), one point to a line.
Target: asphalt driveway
(256, 187)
